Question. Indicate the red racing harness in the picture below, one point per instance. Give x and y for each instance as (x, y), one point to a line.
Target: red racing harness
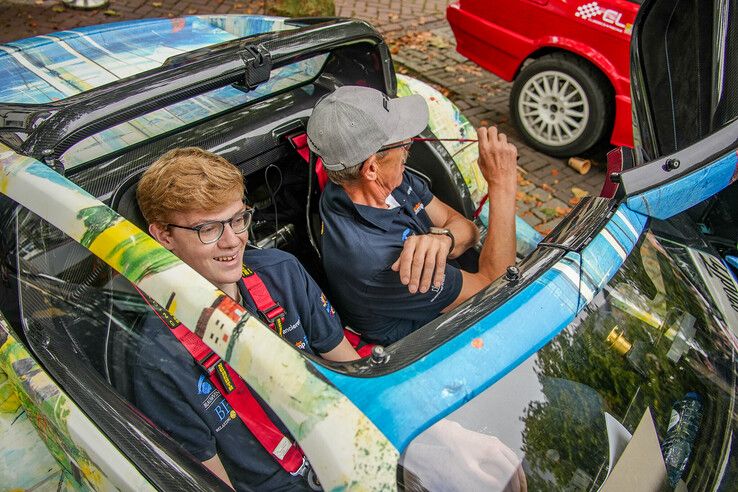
(232, 387)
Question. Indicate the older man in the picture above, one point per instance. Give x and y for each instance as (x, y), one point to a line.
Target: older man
(386, 238)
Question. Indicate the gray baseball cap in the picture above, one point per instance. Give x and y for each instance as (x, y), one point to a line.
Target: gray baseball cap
(353, 122)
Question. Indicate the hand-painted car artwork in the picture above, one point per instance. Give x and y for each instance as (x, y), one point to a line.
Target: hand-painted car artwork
(606, 360)
(568, 61)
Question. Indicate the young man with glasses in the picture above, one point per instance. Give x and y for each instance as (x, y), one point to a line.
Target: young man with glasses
(386, 238)
(193, 202)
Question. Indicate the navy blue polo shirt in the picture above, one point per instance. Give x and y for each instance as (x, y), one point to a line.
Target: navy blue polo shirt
(176, 394)
(359, 246)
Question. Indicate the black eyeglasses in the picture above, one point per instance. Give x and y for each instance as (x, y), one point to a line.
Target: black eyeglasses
(210, 232)
(405, 145)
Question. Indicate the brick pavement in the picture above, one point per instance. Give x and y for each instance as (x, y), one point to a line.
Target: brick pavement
(422, 45)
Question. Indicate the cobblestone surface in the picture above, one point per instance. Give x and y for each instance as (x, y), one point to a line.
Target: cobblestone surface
(422, 45)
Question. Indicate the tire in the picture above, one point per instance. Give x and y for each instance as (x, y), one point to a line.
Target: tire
(539, 91)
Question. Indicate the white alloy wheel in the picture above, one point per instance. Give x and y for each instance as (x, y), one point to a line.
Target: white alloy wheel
(553, 108)
(562, 104)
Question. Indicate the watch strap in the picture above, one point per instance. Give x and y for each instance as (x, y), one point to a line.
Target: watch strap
(444, 232)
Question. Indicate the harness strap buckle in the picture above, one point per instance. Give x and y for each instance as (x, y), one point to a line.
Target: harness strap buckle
(306, 471)
(303, 470)
(274, 317)
(209, 362)
(271, 313)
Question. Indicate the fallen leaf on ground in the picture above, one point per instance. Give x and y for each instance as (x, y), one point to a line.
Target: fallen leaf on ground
(159, 4)
(550, 213)
(450, 68)
(547, 187)
(58, 8)
(471, 69)
(574, 201)
(554, 172)
(526, 198)
(543, 229)
(578, 192)
(111, 13)
(421, 41)
(438, 42)
(561, 211)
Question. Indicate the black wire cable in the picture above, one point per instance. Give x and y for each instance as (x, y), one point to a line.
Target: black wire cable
(311, 184)
(273, 195)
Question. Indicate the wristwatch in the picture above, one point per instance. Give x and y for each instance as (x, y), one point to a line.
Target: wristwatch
(444, 232)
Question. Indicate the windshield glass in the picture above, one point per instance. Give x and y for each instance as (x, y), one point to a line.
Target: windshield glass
(178, 115)
(59, 65)
(645, 347)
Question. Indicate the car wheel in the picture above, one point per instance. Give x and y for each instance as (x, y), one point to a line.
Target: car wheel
(561, 105)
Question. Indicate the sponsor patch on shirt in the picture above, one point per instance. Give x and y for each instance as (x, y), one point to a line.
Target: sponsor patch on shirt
(302, 344)
(406, 233)
(225, 414)
(203, 386)
(418, 207)
(292, 327)
(327, 305)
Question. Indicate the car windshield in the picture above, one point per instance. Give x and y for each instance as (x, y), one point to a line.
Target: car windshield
(59, 65)
(181, 114)
(646, 344)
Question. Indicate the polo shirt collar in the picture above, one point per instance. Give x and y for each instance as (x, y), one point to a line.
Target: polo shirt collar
(339, 202)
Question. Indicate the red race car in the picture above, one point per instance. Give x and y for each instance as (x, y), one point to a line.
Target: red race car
(569, 60)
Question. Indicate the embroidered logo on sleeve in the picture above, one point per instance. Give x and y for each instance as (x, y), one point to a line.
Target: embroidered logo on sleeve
(327, 305)
(302, 344)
